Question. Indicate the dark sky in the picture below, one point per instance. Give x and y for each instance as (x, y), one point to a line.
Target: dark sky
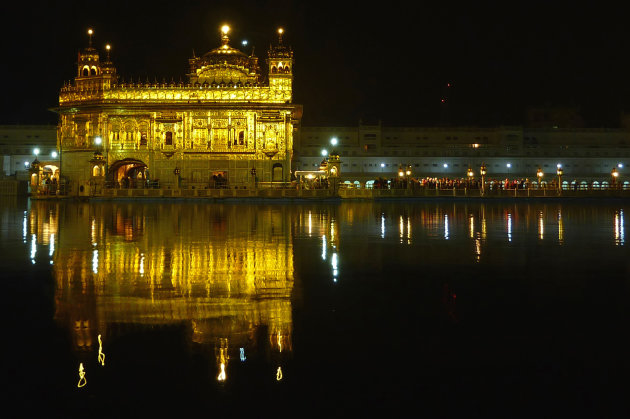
(353, 60)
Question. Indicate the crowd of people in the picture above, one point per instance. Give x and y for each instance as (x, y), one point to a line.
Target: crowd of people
(462, 183)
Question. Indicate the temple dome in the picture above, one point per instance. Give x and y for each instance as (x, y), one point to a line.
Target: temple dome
(224, 64)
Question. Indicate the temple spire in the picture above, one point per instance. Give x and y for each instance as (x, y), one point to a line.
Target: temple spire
(280, 32)
(225, 29)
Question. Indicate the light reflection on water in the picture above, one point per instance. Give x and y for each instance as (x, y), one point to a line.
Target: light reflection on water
(231, 276)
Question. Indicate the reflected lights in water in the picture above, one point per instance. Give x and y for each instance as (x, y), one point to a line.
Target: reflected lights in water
(509, 226)
(619, 228)
(101, 355)
(446, 226)
(82, 380)
(560, 228)
(382, 226)
(225, 272)
(541, 225)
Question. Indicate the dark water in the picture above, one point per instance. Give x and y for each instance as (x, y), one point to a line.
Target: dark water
(450, 309)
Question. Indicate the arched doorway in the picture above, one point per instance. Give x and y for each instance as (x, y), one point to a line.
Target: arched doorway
(127, 173)
(277, 173)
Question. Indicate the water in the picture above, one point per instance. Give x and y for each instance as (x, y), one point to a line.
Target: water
(451, 309)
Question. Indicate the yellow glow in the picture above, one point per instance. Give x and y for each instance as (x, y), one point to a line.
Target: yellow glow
(225, 29)
(280, 341)
(475, 145)
(280, 31)
(478, 249)
(223, 359)
(82, 380)
(90, 31)
(279, 374)
(101, 355)
(222, 376)
(108, 47)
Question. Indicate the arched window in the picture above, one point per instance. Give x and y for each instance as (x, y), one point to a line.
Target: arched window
(86, 71)
(241, 138)
(287, 69)
(274, 70)
(168, 138)
(93, 71)
(96, 171)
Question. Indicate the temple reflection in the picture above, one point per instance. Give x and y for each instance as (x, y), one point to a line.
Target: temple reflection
(223, 272)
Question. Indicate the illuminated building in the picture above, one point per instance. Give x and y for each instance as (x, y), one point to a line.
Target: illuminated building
(225, 120)
(370, 151)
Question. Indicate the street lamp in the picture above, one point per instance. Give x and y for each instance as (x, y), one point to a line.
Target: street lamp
(539, 175)
(509, 165)
(36, 152)
(482, 172)
(614, 174)
(382, 166)
(470, 175)
(559, 172)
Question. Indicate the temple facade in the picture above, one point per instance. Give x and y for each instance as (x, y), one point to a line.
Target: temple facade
(228, 125)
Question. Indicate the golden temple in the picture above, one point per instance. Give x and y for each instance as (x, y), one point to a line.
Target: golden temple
(228, 124)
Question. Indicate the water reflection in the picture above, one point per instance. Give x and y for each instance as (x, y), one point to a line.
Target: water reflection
(224, 273)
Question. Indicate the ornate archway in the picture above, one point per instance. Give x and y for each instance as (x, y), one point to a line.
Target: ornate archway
(127, 173)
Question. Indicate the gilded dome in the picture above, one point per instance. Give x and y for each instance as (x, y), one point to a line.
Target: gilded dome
(224, 63)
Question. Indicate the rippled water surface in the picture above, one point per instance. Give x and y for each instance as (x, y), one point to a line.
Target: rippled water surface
(449, 308)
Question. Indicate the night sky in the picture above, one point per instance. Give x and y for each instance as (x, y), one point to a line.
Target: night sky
(353, 60)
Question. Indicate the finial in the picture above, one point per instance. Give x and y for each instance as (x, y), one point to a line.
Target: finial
(225, 29)
(90, 32)
(280, 32)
